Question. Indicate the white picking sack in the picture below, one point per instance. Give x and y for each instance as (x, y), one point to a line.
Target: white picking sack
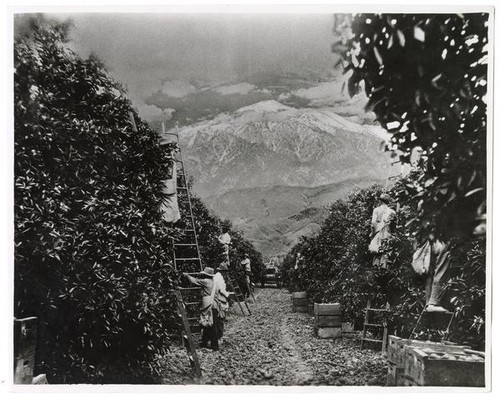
(422, 258)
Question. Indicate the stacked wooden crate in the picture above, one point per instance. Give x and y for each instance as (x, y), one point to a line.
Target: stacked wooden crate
(435, 367)
(25, 335)
(25, 340)
(395, 360)
(327, 320)
(425, 363)
(300, 303)
(397, 353)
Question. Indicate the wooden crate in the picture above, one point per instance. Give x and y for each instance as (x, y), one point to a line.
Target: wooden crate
(327, 309)
(421, 369)
(395, 352)
(395, 375)
(397, 348)
(300, 303)
(25, 336)
(327, 320)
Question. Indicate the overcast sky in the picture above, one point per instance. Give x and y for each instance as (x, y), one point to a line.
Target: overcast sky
(142, 50)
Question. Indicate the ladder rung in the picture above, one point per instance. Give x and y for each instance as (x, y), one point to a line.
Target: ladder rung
(191, 303)
(373, 325)
(192, 318)
(186, 259)
(185, 245)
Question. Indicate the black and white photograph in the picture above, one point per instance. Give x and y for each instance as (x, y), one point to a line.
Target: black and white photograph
(226, 197)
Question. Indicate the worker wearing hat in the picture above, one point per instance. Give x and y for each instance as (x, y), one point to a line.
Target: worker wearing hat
(209, 307)
(221, 298)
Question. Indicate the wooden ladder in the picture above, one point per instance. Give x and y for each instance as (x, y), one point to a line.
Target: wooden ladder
(375, 325)
(187, 259)
(235, 287)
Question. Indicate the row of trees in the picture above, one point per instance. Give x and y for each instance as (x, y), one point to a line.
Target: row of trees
(337, 267)
(426, 80)
(92, 253)
(209, 228)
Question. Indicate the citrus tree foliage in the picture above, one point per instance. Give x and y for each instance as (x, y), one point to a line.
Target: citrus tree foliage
(465, 292)
(91, 251)
(425, 76)
(239, 247)
(337, 267)
(209, 227)
(336, 262)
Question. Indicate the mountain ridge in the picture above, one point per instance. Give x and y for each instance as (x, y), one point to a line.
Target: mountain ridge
(261, 164)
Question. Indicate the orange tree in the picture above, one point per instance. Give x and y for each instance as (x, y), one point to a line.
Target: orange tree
(465, 292)
(92, 254)
(336, 263)
(426, 79)
(209, 227)
(337, 267)
(91, 250)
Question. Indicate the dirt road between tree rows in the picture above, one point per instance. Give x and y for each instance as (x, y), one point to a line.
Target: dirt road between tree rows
(275, 346)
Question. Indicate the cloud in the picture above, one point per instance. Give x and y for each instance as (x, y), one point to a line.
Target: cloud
(152, 112)
(193, 101)
(238, 88)
(333, 94)
(205, 103)
(177, 88)
(325, 93)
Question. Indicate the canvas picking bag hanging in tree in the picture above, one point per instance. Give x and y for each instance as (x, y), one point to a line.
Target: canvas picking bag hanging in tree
(170, 206)
(422, 258)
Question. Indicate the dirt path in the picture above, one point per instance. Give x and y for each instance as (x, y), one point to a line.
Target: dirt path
(274, 346)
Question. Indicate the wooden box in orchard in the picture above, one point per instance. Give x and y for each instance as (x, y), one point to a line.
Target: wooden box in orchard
(428, 367)
(25, 336)
(327, 320)
(397, 354)
(397, 348)
(300, 303)
(310, 307)
(395, 375)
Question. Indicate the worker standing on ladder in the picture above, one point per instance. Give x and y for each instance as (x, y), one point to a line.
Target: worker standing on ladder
(432, 256)
(225, 240)
(209, 307)
(169, 206)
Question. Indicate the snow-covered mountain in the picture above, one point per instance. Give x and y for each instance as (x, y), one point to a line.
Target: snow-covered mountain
(265, 163)
(269, 144)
